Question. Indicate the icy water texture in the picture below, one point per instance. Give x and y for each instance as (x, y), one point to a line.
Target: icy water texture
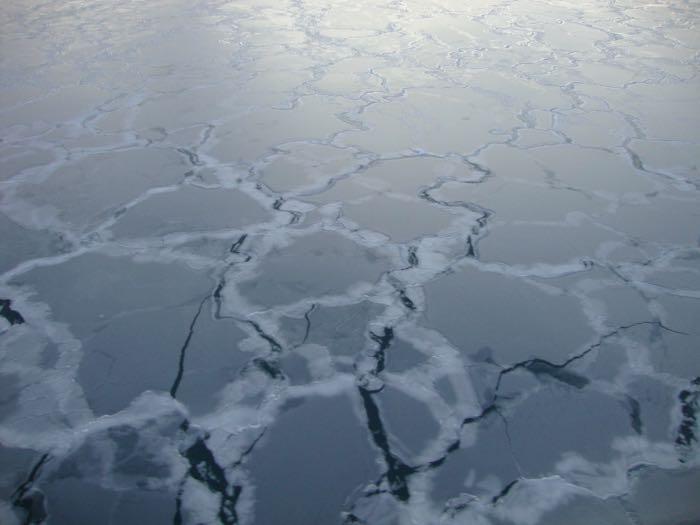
(361, 262)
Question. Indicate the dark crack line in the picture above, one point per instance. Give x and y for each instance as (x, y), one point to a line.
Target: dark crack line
(12, 316)
(689, 399)
(506, 431)
(405, 300)
(397, 472)
(32, 502)
(635, 411)
(236, 246)
(504, 492)
(249, 450)
(271, 368)
(413, 260)
(192, 157)
(308, 323)
(412, 257)
(277, 206)
(183, 349)
(267, 365)
(532, 365)
(482, 220)
(384, 341)
(275, 347)
(217, 298)
(205, 469)
(177, 518)
(471, 251)
(538, 365)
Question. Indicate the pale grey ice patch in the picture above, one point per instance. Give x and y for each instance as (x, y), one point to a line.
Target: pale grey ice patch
(475, 309)
(321, 264)
(315, 458)
(25, 243)
(665, 497)
(87, 191)
(90, 290)
(401, 220)
(558, 420)
(189, 209)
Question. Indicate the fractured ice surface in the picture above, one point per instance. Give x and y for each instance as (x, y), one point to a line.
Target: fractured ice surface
(314, 459)
(300, 166)
(665, 498)
(476, 309)
(90, 290)
(341, 328)
(371, 262)
(321, 264)
(555, 421)
(409, 421)
(481, 469)
(26, 244)
(100, 183)
(189, 209)
(404, 357)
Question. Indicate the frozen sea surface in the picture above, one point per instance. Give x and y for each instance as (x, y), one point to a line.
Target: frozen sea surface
(305, 262)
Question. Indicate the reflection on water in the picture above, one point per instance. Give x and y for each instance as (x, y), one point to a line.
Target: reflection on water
(400, 262)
